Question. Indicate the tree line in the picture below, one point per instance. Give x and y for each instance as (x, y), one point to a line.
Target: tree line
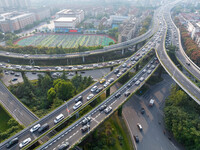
(47, 93)
(182, 118)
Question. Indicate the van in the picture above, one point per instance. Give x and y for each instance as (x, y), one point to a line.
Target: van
(77, 105)
(43, 128)
(59, 118)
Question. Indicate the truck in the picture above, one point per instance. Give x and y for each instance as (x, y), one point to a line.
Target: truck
(151, 102)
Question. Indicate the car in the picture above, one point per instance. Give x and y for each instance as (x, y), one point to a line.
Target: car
(136, 138)
(111, 80)
(79, 98)
(17, 75)
(118, 95)
(99, 89)
(119, 74)
(102, 107)
(12, 72)
(133, 58)
(12, 142)
(106, 84)
(139, 126)
(141, 79)
(26, 55)
(58, 118)
(124, 65)
(142, 110)
(143, 71)
(153, 66)
(124, 70)
(129, 66)
(134, 62)
(63, 146)
(108, 109)
(138, 54)
(149, 71)
(85, 128)
(137, 82)
(35, 128)
(129, 85)
(116, 71)
(77, 105)
(188, 63)
(137, 58)
(127, 93)
(90, 96)
(25, 142)
(43, 128)
(14, 79)
(135, 79)
(102, 81)
(86, 120)
(152, 62)
(7, 53)
(94, 88)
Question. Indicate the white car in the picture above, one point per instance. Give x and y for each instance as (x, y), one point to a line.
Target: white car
(59, 118)
(94, 88)
(25, 142)
(90, 96)
(149, 71)
(137, 82)
(77, 105)
(106, 84)
(144, 71)
(108, 109)
(141, 79)
(35, 128)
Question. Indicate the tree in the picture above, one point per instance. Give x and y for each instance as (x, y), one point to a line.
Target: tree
(65, 90)
(51, 95)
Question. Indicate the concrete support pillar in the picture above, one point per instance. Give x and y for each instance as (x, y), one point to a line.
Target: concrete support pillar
(120, 111)
(111, 68)
(123, 51)
(77, 115)
(83, 59)
(108, 92)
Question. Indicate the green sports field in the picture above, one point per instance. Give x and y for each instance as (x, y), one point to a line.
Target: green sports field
(65, 40)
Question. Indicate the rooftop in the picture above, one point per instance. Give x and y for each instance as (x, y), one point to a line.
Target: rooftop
(65, 19)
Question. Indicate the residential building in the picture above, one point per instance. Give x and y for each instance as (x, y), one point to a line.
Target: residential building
(13, 21)
(41, 13)
(10, 4)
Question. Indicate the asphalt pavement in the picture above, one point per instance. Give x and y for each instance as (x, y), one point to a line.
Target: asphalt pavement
(154, 135)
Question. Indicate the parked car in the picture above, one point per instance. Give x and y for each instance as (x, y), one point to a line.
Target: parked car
(139, 126)
(136, 138)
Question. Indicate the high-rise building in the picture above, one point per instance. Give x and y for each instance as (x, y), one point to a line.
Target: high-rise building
(11, 4)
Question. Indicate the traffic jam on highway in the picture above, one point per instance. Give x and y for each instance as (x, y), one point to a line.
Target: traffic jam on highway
(48, 122)
(32, 132)
(84, 125)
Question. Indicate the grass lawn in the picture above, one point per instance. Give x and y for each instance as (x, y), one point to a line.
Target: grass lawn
(121, 134)
(4, 117)
(110, 135)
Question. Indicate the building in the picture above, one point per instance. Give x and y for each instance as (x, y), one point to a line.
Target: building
(10, 4)
(41, 13)
(13, 21)
(114, 19)
(64, 24)
(79, 14)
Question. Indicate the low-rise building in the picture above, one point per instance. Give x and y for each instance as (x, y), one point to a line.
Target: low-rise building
(79, 14)
(65, 23)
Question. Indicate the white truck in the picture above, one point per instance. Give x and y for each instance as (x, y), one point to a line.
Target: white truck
(151, 102)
